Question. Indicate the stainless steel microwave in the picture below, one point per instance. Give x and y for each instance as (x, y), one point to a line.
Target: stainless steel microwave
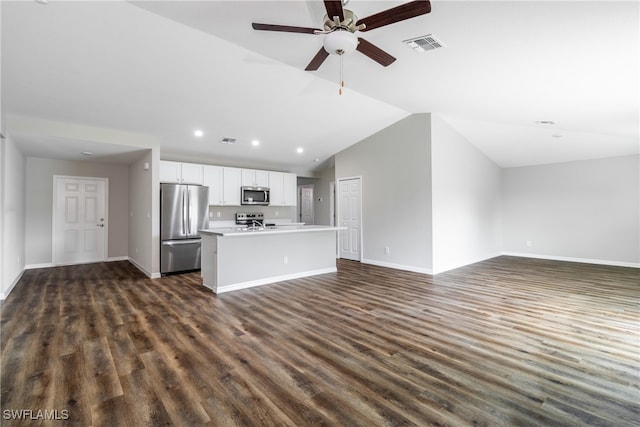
(254, 195)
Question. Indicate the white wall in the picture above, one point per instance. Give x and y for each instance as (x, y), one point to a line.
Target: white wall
(585, 210)
(143, 209)
(12, 202)
(39, 204)
(395, 166)
(466, 200)
(322, 209)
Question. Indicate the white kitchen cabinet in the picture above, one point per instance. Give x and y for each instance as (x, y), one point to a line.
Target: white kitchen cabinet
(255, 178)
(170, 172)
(224, 185)
(290, 189)
(283, 188)
(181, 173)
(231, 187)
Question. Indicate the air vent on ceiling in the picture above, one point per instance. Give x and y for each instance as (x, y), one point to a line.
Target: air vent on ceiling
(424, 43)
(227, 140)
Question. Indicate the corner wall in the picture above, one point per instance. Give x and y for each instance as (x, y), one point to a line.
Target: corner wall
(12, 221)
(144, 206)
(395, 166)
(586, 211)
(466, 200)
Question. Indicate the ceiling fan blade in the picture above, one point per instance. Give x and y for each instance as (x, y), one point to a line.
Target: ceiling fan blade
(284, 28)
(334, 8)
(317, 60)
(396, 14)
(374, 52)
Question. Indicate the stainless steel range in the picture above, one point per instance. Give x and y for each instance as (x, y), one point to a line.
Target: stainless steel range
(250, 219)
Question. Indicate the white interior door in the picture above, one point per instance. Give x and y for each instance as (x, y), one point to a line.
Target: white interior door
(306, 205)
(350, 209)
(79, 229)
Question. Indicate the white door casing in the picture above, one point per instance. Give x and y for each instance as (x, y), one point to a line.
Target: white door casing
(79, 220)
(350, 214)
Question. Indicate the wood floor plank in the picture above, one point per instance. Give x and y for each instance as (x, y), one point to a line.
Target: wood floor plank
(507, 341)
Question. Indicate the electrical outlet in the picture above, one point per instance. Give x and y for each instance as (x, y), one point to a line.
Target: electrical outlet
(529, 244)
(210, 214)
(285, 260)
(218, 214)
(387, 250)
(277, 213)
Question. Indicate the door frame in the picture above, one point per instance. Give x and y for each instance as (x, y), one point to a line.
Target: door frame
(339, 214)
(105, 256)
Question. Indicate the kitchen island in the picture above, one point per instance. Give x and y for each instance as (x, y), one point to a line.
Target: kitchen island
(243, 257)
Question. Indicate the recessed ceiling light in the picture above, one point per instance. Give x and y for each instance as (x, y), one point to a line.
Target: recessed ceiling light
(87, 153)
(255, 142)
(300, 150)
(198, 133)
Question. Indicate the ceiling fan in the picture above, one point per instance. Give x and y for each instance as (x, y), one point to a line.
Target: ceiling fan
(340, 26)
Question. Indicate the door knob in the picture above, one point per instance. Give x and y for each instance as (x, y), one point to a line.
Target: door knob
(100, 225)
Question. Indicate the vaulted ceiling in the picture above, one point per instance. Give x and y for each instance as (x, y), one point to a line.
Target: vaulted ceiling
(78, 74)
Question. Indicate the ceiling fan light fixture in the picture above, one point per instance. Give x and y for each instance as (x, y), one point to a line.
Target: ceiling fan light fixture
(340, 42)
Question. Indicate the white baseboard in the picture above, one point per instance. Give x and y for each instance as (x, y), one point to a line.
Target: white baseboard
(274, 279)
(467, 262)
(43, 265)
(118, 258)
(398, 266)
(143, 270)
(573, 259)
(4, 295)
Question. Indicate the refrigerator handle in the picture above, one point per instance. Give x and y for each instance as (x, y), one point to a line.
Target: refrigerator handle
(185, 205)
(188, 210)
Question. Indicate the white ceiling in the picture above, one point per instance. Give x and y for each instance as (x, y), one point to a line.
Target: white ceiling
(163, 68)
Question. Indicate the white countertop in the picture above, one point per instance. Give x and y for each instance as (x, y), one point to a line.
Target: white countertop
(236, 232)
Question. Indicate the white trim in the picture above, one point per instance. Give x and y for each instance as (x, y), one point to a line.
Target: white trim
(574, 259)
(117, 258)
(144, 270)
(468, 262)
(54, 210)
(41, 265)
(398, 266)
(274, 279)
(3, 295)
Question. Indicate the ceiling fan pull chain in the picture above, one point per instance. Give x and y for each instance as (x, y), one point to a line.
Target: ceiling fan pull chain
(341, 76)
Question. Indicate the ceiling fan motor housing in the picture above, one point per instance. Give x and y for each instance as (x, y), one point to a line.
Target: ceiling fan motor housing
(348, 23)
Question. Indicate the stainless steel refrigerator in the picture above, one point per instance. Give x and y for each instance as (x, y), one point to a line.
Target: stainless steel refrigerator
(183, 212)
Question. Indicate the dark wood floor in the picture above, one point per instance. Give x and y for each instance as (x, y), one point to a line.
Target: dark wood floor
(509, 341)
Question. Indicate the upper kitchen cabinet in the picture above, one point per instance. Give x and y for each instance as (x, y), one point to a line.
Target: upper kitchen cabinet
(283, 188)
(224, 185)
(181, 173)
(255, 178)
